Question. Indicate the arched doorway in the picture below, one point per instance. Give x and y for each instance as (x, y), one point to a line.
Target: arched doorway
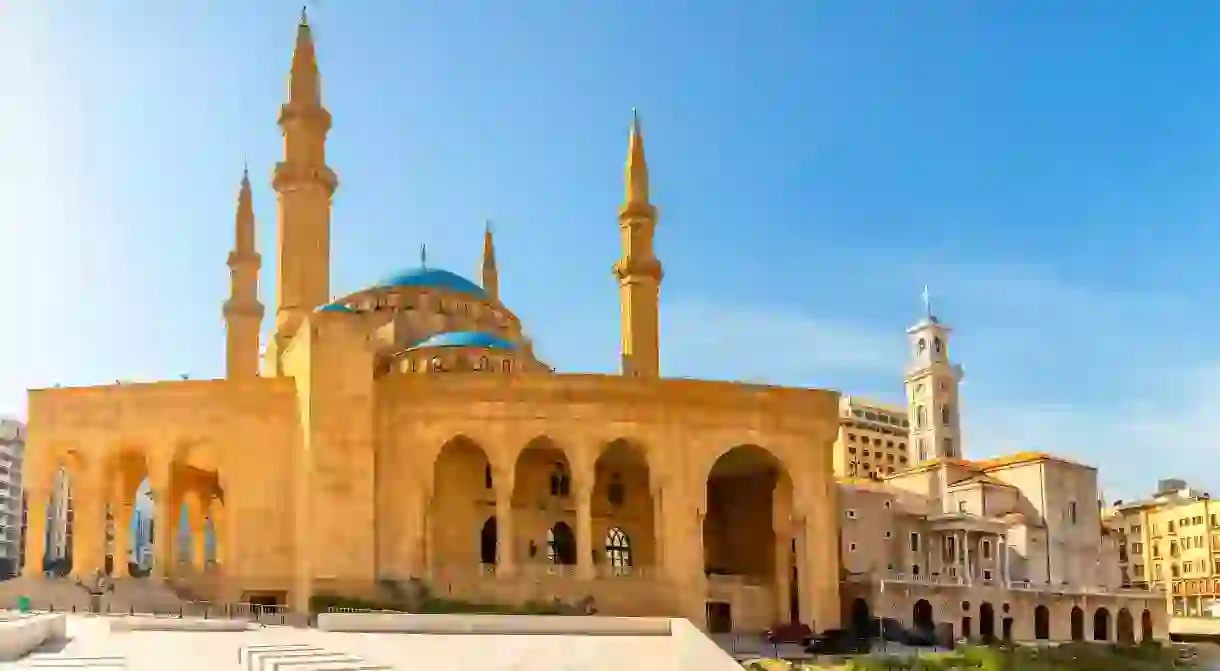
(487, 542)
(744, 487)
(561, 545)
(622, 488)
(1042, 623)
(861, 618)
(1146, 626)
(1077, 624)
(618, 551)
(987, 622)
(921, 616)
(1124, 627)
(456, 511)
(1101, 625)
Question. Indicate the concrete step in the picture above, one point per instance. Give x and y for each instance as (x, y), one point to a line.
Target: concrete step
(302, 657)
(51, 661)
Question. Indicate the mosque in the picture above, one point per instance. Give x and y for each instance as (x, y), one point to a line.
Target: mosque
(408, 431)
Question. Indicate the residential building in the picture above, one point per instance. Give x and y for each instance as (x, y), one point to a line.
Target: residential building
(12, 453)
(1172, 539)
(872, 439)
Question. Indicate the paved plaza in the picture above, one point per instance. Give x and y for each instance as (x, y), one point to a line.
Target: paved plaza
(90, 637)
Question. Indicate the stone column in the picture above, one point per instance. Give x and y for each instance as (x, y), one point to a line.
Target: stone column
(89, 495)
(122, 537)
(782, 524)
(35, 538)
(966, 557)
(215, 514)
(165, 519)
(585, 570)
(505, 554)
(658, 529)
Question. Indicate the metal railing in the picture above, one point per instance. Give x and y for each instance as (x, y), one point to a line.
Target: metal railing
(252, 612)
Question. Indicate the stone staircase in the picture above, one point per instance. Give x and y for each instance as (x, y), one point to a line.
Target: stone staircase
(302, 657)
(60, 594)
(143, 595)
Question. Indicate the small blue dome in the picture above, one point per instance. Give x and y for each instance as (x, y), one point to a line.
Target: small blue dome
(433, 278)
(464, 339)
(335, 307)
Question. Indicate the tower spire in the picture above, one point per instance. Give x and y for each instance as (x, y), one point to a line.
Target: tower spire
(638, 270)
(304, 185)
(637, 166)
(304, 82)
(243, 312)
(490, 274)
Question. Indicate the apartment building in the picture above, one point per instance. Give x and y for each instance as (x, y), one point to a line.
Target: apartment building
(12, 452)
(872, 439)
(1171, 539)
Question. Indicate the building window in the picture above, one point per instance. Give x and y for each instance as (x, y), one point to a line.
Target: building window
(615, 492)
(851, 514)
(914, 569)
(886, 505)
(889, 534)
(487, 481)
(921, 416)
(986, 575)
(561, 481)
(948, 443)
(923, 450)
(506, 366)
(1072, 512)
(945, 410)
(986, 549)
(914, 542)
(618, 548)
(852, 547)
(936, 343)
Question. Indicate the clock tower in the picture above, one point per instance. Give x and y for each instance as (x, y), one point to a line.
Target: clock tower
(931, 389)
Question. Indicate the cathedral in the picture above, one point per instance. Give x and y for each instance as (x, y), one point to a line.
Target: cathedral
(407, 431)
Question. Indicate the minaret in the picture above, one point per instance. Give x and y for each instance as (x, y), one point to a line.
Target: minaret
(931, 386)
(638, 271)
(304, 186)
(491, 276)
(243, 313)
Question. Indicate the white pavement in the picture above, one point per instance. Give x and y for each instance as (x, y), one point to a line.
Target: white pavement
(90, 637)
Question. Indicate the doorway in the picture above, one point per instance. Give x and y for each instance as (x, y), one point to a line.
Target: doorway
(719, 617)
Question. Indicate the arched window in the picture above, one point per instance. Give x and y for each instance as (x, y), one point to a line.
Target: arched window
(414, 365)
(948, 443)
(506, 366)
(921, 346)
(618, 548)
(615, 492)
(484, 363)
(561, 481)
(938, 345)
(945, 411)
(921, 416)
(437, 365)
(561, 545)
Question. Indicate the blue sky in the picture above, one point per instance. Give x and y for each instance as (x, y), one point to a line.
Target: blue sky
(1050, 169)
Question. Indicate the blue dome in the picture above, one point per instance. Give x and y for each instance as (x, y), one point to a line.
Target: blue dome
(464, 339)
(335, 307)
(433, 278)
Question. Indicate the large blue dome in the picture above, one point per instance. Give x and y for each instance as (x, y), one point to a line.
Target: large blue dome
(464, 339)
(433, 278)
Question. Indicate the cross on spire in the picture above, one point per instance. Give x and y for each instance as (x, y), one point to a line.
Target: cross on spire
(927, 301)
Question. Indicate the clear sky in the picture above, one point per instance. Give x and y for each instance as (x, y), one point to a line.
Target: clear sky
(1050, 169)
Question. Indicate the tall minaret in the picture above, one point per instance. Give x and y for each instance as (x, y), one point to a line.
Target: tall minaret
(304, 186)
(491, 276)
(243, 313)
(638, 271)
(931, 386)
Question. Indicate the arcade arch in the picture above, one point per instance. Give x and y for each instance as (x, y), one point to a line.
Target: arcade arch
(746, 532)
(622, 509)
(459, 508)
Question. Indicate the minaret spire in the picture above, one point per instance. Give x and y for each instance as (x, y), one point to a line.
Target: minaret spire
(304, 185)
(638, 270)
(304, 82)
(637, 167)
(243, 312)
(490, 274)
